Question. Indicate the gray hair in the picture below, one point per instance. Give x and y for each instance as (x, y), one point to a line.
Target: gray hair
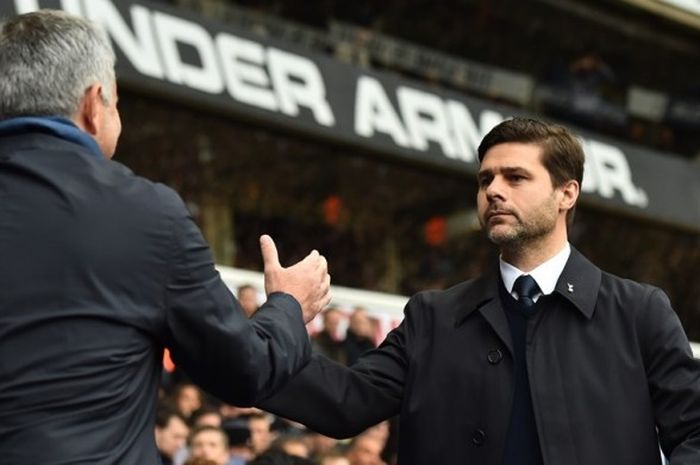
(48, 59)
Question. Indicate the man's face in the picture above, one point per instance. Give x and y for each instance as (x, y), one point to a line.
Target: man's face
(189, 400)
(248, 298)
(516, 201)
(360, 324)
(366, 451)
(260, 435)
(111, 124)
(172, 437)
(331, 321)
(210, 445)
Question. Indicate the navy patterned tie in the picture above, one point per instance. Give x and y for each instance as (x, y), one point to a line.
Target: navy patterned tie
(526, 288)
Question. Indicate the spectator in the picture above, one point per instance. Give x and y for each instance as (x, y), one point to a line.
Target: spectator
(238, 433)
(366, 449)
(586, 91)
(360, 335)
(187, 398)
(248, 298)
(206, 416)
(292, 445)
(210, 443)
(320, 445)
(261, 435)
(170, 433)
(199, 461)
(328, 341)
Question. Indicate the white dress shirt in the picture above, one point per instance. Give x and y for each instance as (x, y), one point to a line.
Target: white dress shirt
(545, 275)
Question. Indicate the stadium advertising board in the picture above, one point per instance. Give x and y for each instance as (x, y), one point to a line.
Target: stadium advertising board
(175, 54)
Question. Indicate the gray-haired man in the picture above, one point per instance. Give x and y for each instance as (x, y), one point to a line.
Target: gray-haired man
(101, 269)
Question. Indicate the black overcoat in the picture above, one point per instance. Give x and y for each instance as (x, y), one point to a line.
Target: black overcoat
(99, 270)
(608, 363)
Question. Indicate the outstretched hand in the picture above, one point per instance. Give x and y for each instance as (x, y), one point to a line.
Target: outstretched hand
(307, 281)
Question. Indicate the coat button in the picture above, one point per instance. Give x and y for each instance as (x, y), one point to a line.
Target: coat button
(478, 437)
(495, 356)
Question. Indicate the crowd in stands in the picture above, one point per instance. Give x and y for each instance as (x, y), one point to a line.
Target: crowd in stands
(194, 428)
(377, 239)
(584, 60)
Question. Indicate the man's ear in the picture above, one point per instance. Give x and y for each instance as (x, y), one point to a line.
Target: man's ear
(90, 112)
(570, 192)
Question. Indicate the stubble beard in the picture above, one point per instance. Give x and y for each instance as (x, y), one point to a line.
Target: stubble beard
(525, 232)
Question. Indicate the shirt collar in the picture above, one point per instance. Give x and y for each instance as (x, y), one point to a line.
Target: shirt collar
(54, 125)
(545, 275)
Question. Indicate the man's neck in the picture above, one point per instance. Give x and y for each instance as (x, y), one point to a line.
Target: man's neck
(528, 256)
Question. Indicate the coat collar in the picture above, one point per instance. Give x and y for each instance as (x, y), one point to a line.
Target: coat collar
(578, 284)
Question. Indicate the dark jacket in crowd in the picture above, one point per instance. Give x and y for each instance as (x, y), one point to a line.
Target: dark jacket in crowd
(608, 363)
(355, 346)
(100, 270)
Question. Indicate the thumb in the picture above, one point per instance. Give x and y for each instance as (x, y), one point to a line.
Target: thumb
(269, 252)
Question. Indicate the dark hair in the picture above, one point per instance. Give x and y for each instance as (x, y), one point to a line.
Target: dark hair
(204, 428)
(277, 457)
(243, 287)
(200, 412)
(562, 154)
(165, 413)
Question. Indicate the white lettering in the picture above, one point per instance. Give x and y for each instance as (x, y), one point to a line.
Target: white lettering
(425, 119)
(374, 112)
(172, 30)
(291, 93)
(466, 134)
(140, 48)
(611, 171)
(27, 6)
(246, 80)
(488, 120)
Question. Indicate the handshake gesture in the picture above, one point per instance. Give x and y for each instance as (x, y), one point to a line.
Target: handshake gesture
(307, 281)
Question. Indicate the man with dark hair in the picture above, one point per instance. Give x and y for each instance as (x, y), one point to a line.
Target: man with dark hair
(211, 443)
(545, 359)
(102, 269)
(171, 433)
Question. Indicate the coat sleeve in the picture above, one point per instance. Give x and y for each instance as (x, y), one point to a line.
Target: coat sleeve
(340, 401)
(674, 380)
(235, 358)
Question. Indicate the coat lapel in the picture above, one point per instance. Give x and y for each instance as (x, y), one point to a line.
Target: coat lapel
(482, 297)
(579, 283)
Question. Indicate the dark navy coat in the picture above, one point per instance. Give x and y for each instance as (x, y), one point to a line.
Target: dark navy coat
(608, 363)
(99, 271)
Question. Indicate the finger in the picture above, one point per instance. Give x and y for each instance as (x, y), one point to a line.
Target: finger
(326, 300)
(269, 252)
(326, 291)
(322, 264)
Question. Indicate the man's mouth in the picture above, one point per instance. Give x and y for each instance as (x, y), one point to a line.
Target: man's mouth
(498, 213)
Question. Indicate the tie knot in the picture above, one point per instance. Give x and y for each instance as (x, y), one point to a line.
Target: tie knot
(526, 287)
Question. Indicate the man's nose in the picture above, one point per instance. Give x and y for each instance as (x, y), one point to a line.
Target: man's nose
(495, 189)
